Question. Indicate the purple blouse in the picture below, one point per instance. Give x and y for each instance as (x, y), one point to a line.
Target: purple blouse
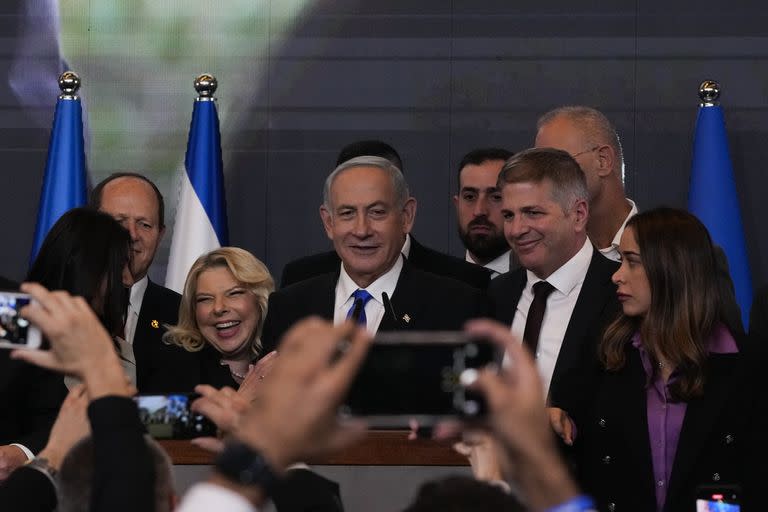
(665, 417)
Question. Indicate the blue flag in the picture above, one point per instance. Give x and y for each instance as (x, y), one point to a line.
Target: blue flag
(201, 215)
(65, 181)
(713, 199)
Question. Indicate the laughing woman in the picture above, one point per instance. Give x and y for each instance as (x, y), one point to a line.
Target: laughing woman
(676, 406)
(222, 312)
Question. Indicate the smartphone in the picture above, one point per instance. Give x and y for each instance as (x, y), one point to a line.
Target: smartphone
(16, 331)
(718, 499)
(169, 416)
(419, 376)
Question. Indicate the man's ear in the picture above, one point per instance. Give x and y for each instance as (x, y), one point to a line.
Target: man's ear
(581, 211)
(606, 156)
(409, 214)
(327, 219)
(162, 233)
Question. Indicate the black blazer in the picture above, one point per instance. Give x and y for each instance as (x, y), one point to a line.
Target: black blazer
(421, 301)
(420, 257)
(7, 284)
(721, 440)
(596, 306)
(160, 367)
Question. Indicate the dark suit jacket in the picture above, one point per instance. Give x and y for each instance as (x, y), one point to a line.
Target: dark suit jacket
(430, 302)
(758, 316)
(420, 257)
(596, 306)
(160, 367)
(721, 440)
(7, 284)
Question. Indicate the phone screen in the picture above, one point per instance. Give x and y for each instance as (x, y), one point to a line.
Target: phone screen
(169, 417)
(13, 328)
(718, 501)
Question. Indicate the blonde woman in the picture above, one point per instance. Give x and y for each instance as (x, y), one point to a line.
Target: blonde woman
(222, 313)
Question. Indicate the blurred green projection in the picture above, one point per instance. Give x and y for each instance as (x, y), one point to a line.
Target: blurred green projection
(138, 60)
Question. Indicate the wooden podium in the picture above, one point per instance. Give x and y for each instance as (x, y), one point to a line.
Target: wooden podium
(378, 448)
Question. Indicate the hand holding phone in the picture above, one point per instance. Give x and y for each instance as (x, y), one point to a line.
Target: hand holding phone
(16, 331)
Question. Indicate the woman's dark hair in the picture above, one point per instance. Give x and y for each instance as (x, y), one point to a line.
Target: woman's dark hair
(84, 254)
(679, 260)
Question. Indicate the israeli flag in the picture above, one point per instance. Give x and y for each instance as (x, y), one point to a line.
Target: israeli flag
(713, 198)
(65, 181)
(201, 214)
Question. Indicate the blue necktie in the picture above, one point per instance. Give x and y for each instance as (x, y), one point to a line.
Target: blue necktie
(357, 311)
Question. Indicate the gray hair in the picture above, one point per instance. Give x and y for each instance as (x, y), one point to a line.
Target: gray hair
(75, 477)
(594, 126)
(536, 165)
(399, 184)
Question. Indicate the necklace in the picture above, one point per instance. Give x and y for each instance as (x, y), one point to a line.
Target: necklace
(235, 374)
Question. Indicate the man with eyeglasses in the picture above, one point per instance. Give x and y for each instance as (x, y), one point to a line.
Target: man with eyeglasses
(592, 141)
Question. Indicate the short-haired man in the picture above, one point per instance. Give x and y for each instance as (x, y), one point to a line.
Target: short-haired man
(562, 295)
(134, 201)
(592, 140)
(418, 255)
(367, 212)
(478, 210)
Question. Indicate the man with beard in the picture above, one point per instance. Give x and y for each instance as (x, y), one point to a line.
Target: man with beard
(478, 210)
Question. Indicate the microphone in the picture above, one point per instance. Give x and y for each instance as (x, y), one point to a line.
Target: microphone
(388, 306)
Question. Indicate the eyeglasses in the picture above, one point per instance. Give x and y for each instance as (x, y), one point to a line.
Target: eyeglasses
(586, 151)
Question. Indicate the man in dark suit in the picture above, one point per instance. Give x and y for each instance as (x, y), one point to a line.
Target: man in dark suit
(545, 209)
(418, 255)
(367, 213)
(135, 202)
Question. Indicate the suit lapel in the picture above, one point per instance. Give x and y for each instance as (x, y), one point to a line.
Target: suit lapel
(506, 304)
(406, 301)
(700, 416)
(590, 305)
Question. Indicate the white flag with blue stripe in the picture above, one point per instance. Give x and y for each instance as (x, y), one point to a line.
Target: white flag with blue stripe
(201, 214)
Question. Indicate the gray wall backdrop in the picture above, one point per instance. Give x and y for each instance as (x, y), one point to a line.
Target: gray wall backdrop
(434, 78)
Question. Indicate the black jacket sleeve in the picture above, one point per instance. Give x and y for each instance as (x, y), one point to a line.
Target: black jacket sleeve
(123, 476)
(28, 490)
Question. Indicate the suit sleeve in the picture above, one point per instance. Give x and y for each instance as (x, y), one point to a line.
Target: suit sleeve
(28, 490)
(124, 475)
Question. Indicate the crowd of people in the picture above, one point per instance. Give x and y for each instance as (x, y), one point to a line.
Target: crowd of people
(627, 382)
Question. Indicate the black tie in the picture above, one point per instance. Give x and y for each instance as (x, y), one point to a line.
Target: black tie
(541, 291)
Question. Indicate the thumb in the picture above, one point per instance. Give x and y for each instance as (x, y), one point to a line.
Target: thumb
(41, 358)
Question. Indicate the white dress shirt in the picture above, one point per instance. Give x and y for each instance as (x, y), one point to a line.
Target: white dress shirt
(134, 307)
(612, 251)
(204, 497)
(374, 309)
(497, 266)
(567, 281)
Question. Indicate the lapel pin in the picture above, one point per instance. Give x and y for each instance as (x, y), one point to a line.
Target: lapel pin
(407, 318)
(155, 324)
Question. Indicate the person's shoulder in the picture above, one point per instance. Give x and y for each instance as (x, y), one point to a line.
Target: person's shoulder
(309, 266)
(443, 264)
(7, 284)
(506, 281)
(161, 292)
(306, 287)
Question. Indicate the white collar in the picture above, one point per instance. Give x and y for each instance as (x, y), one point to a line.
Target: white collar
(384, 283)
(570, 273)
(406, 250)
(499, 265)
(617, 238)
(137, 294)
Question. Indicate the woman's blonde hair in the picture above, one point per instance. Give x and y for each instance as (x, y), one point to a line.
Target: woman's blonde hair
(246, 269)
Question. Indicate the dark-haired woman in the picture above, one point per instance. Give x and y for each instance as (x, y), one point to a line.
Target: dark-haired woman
(85, 253)
(676, 406)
